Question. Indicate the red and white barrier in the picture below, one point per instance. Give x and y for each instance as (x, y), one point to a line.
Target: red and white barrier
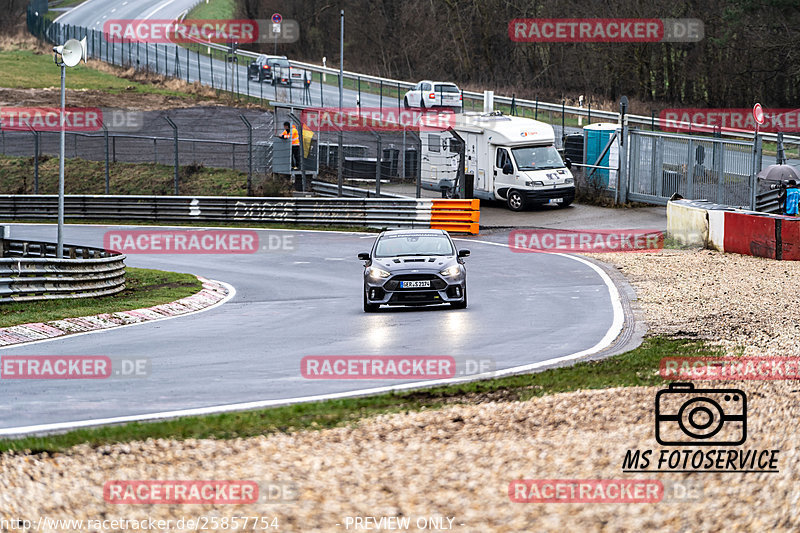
(692, 222)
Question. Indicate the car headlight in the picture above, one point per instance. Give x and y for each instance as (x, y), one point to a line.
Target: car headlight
(534, 184)
(451, 271)
(569, 180)
(377, 273)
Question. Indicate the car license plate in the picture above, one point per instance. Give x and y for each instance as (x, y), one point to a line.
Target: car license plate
(414, 284)
(556, 200)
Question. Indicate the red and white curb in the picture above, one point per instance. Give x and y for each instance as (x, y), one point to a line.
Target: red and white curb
(212, 294)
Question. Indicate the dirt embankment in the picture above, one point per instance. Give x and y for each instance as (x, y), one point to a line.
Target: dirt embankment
(458, 462)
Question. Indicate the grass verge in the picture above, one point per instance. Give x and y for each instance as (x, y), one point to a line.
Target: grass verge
(28, 69)
(144, 288)
(212, 10)
(638, 367)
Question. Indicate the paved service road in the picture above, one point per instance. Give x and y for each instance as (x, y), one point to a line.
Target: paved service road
(93, 14)
(523, 309)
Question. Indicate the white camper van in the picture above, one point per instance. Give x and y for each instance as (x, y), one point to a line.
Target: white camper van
(512, 159)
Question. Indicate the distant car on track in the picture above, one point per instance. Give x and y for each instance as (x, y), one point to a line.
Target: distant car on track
(414, 267)
(276, 69)
(428, 94)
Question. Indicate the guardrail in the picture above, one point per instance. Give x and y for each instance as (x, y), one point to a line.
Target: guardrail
(609, 116)
(454, 215)
(29, 270)
(38, 26)
(323, 188)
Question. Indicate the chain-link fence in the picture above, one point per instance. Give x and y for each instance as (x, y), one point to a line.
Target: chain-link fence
(246, 146)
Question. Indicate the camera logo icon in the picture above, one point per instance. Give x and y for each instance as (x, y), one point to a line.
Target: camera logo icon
(700, 417)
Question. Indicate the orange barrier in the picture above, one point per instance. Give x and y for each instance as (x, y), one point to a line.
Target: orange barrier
(457, 216)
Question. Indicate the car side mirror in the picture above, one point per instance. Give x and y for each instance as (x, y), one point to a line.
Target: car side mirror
(364, 256)
(568, 163)
(508, 168)
(463, 253)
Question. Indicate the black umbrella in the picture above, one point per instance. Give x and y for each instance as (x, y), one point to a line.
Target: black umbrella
(779, 172)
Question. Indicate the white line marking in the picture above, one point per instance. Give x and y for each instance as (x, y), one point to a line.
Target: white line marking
(612, 333)
(231, 294)
(73, 10)
(157, 9)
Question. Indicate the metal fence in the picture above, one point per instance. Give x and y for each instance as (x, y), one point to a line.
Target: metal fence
(719, 170)
(253, 153)
(29, 270)
(653, 169)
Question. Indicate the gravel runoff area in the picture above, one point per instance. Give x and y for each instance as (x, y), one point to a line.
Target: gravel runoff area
(458, 462)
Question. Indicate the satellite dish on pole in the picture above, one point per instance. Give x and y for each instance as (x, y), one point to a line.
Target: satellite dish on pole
(73, 51)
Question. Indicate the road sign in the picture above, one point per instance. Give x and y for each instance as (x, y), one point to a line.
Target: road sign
(758, 114)
(276, 28)
(276, 18)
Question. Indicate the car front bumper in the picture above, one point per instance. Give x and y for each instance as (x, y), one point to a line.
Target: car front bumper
(387, 291)
(543, 196)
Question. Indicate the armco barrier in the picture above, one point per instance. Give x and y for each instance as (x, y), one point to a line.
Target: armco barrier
(460, 216)
(452, 215)
(30, 271)
(734, 230)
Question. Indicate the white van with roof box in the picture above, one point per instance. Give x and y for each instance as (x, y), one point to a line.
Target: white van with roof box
(507, 158)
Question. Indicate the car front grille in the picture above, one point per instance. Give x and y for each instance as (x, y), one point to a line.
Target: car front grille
(437, 283)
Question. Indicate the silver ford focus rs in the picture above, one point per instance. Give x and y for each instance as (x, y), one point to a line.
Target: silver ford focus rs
(414, 267)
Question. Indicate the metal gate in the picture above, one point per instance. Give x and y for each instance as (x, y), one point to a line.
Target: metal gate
(719, 170)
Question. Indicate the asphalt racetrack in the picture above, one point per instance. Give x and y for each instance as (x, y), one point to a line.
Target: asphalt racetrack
(304, 299)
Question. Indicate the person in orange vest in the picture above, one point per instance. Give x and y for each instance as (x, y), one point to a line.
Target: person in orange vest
(290, 132)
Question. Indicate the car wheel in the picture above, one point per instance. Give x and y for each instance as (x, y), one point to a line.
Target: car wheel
(405, 102)
(462, 304)
(368, 307)
(516, 200)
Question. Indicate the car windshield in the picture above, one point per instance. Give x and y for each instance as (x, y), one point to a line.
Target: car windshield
(416, 244)
(446, 89)
(537, 158)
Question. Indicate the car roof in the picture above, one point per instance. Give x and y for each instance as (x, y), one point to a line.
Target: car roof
(414, 232)
(438, 82)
